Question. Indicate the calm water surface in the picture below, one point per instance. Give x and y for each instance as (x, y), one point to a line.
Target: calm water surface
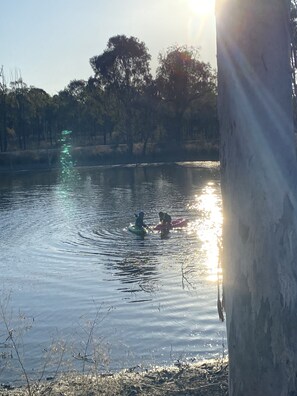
(80, 291)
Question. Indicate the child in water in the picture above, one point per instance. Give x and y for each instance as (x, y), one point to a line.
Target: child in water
(165, 219)
(139, 220)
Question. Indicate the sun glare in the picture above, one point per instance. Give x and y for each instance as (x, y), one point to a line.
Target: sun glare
(202, 7)
(209, 227)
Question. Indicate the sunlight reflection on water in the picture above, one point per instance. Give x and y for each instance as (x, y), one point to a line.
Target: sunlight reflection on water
(208, 227)
(160, 294)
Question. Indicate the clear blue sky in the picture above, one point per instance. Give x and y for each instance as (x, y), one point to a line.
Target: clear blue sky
(49, 42)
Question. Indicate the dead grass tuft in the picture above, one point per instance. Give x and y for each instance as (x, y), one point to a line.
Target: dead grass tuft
(205, 379)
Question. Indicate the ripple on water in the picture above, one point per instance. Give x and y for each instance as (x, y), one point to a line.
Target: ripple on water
(67, 253)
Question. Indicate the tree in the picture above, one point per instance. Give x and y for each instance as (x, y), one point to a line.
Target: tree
(123, 70)
(95, 110)
(293, 31)
(70, 109)
(19, 106)
(182, 79)
(147, 109)
(101, 108)
(258, 165)
(3, 111)
(37, 112)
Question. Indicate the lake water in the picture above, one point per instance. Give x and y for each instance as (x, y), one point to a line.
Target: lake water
(78, 290)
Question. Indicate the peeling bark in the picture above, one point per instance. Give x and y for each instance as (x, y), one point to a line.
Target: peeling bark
(259, 178)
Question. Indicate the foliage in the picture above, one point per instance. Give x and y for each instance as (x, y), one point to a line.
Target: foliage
(123, 71)
(121, 103)
(124, 65)
(185, 83)
(3, 111)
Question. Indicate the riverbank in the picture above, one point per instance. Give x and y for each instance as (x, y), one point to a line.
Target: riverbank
(46, 159)
(208, 378)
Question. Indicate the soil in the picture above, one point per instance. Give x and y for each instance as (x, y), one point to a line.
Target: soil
(208, 379)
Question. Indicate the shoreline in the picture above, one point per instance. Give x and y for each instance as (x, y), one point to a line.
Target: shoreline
(51, 159)
(206, 378)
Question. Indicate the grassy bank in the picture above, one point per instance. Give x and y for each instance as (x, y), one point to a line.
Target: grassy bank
(104, 155)
(204, 379)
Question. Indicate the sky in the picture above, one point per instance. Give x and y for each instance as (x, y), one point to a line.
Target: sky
(50, 42)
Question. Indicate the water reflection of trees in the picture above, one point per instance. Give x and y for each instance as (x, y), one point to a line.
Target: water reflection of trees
(164, 186)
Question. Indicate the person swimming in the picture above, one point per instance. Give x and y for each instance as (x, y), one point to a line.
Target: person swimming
(139, 220)
(165, 219)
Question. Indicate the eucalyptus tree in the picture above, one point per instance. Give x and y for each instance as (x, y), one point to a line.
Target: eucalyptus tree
(19, 115)
(293, 31)
(259, 171)
(27, 114)
(123, 71)
(76, 91)
(70, 104)
(202, 119)
(99, 110)
(183, 78)
(38, 115)
(3, 111)
(148, 115)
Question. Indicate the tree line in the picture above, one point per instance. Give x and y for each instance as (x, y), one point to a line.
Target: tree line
(120, 103)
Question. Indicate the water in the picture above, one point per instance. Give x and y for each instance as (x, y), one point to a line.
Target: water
(80, 291)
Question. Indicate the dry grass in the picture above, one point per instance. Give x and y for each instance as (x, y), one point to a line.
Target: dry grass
(207, 379)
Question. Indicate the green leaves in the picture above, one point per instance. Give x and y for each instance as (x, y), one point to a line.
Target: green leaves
(182, 79)
(124, 64)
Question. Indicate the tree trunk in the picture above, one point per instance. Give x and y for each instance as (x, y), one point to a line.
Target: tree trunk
(178, 124)
(259, 178)
(145, 142)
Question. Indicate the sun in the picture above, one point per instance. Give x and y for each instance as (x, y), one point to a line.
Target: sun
(202, 7)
